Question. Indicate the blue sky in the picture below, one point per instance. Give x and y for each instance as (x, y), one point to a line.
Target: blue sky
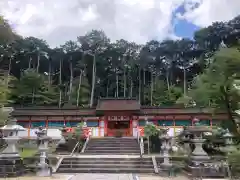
(57, 21)
(182, 27)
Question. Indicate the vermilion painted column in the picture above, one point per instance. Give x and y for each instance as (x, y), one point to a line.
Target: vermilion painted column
(105, 124)
(47, 123)
(174, 125)
(131, 126)
(64, 121)
(29, 126)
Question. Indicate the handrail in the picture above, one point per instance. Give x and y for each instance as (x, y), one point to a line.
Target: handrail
(141, 146)
(138, 135)
(58, 164)
(85, 144)
(155, 164)
(87, 140)
(74, 148)
(140, 142)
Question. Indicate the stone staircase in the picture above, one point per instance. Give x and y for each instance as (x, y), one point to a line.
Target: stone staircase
(116, 146)
(106, 165)
(108, 155)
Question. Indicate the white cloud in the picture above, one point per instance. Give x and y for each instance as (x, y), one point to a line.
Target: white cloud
(135, 20)
(204, 12)
(61, 20)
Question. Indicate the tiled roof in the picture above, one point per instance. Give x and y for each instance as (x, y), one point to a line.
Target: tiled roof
(53, 112)
(118, 105)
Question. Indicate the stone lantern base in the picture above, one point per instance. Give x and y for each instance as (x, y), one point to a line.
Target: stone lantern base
(11, 165)
(205, 169)
(44, 170)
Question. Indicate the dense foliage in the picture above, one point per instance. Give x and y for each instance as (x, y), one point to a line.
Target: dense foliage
(187, 72)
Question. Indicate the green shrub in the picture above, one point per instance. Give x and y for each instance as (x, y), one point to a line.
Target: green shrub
(234, 162)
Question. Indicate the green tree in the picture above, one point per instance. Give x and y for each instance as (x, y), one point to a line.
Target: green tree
(6, 33)
(162, 95)
(30, 82)
(214, 87)
(4, 96)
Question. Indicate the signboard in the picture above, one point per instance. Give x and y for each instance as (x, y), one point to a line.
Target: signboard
(118, 118)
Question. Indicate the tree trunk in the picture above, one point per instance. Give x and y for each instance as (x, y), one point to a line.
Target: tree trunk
(131, 88)
(38, 62)
(71, 81)
(152, 81)
(184, 82)
(116, 84)
(167, 79)
(107, 87)
(144, 78)
(49, 74)
(60, 82)
(37, 69)
(140, 84)
(9, 71)
(233, 125)
(125, 82)
(93, 80)
(29, 63)
(79, 87)
(33, 95)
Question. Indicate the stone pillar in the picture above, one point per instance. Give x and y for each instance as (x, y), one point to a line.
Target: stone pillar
(166, 141)
(44, 168)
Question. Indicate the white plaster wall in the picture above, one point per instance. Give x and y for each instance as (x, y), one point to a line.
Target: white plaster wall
(171, 132)
(178, 131)
(53, 133)
(95, 131)
(101, 127)
(102, 132)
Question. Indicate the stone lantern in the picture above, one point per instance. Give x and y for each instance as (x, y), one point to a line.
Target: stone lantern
(166, 141)
(229, 144)
(11, 163)
(185, 137)
(199, 164)
(44, 168)
(146, 120)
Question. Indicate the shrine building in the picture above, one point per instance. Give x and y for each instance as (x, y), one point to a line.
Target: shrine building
(111, 115)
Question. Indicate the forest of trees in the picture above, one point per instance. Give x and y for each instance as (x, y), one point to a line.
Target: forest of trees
(192, 72)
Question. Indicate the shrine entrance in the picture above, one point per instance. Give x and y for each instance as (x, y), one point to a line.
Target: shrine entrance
(118, 126)
(118, 115)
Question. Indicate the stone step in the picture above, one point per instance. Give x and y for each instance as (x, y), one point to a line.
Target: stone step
(113, 145)
(106, 161)
(111, 148)
(111, 151)
(113, 141)
(127, 165)
(106, 170)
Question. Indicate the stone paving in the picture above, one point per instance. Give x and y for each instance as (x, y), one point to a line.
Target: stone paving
(102, 177)
(54, 177)
(155, 177)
